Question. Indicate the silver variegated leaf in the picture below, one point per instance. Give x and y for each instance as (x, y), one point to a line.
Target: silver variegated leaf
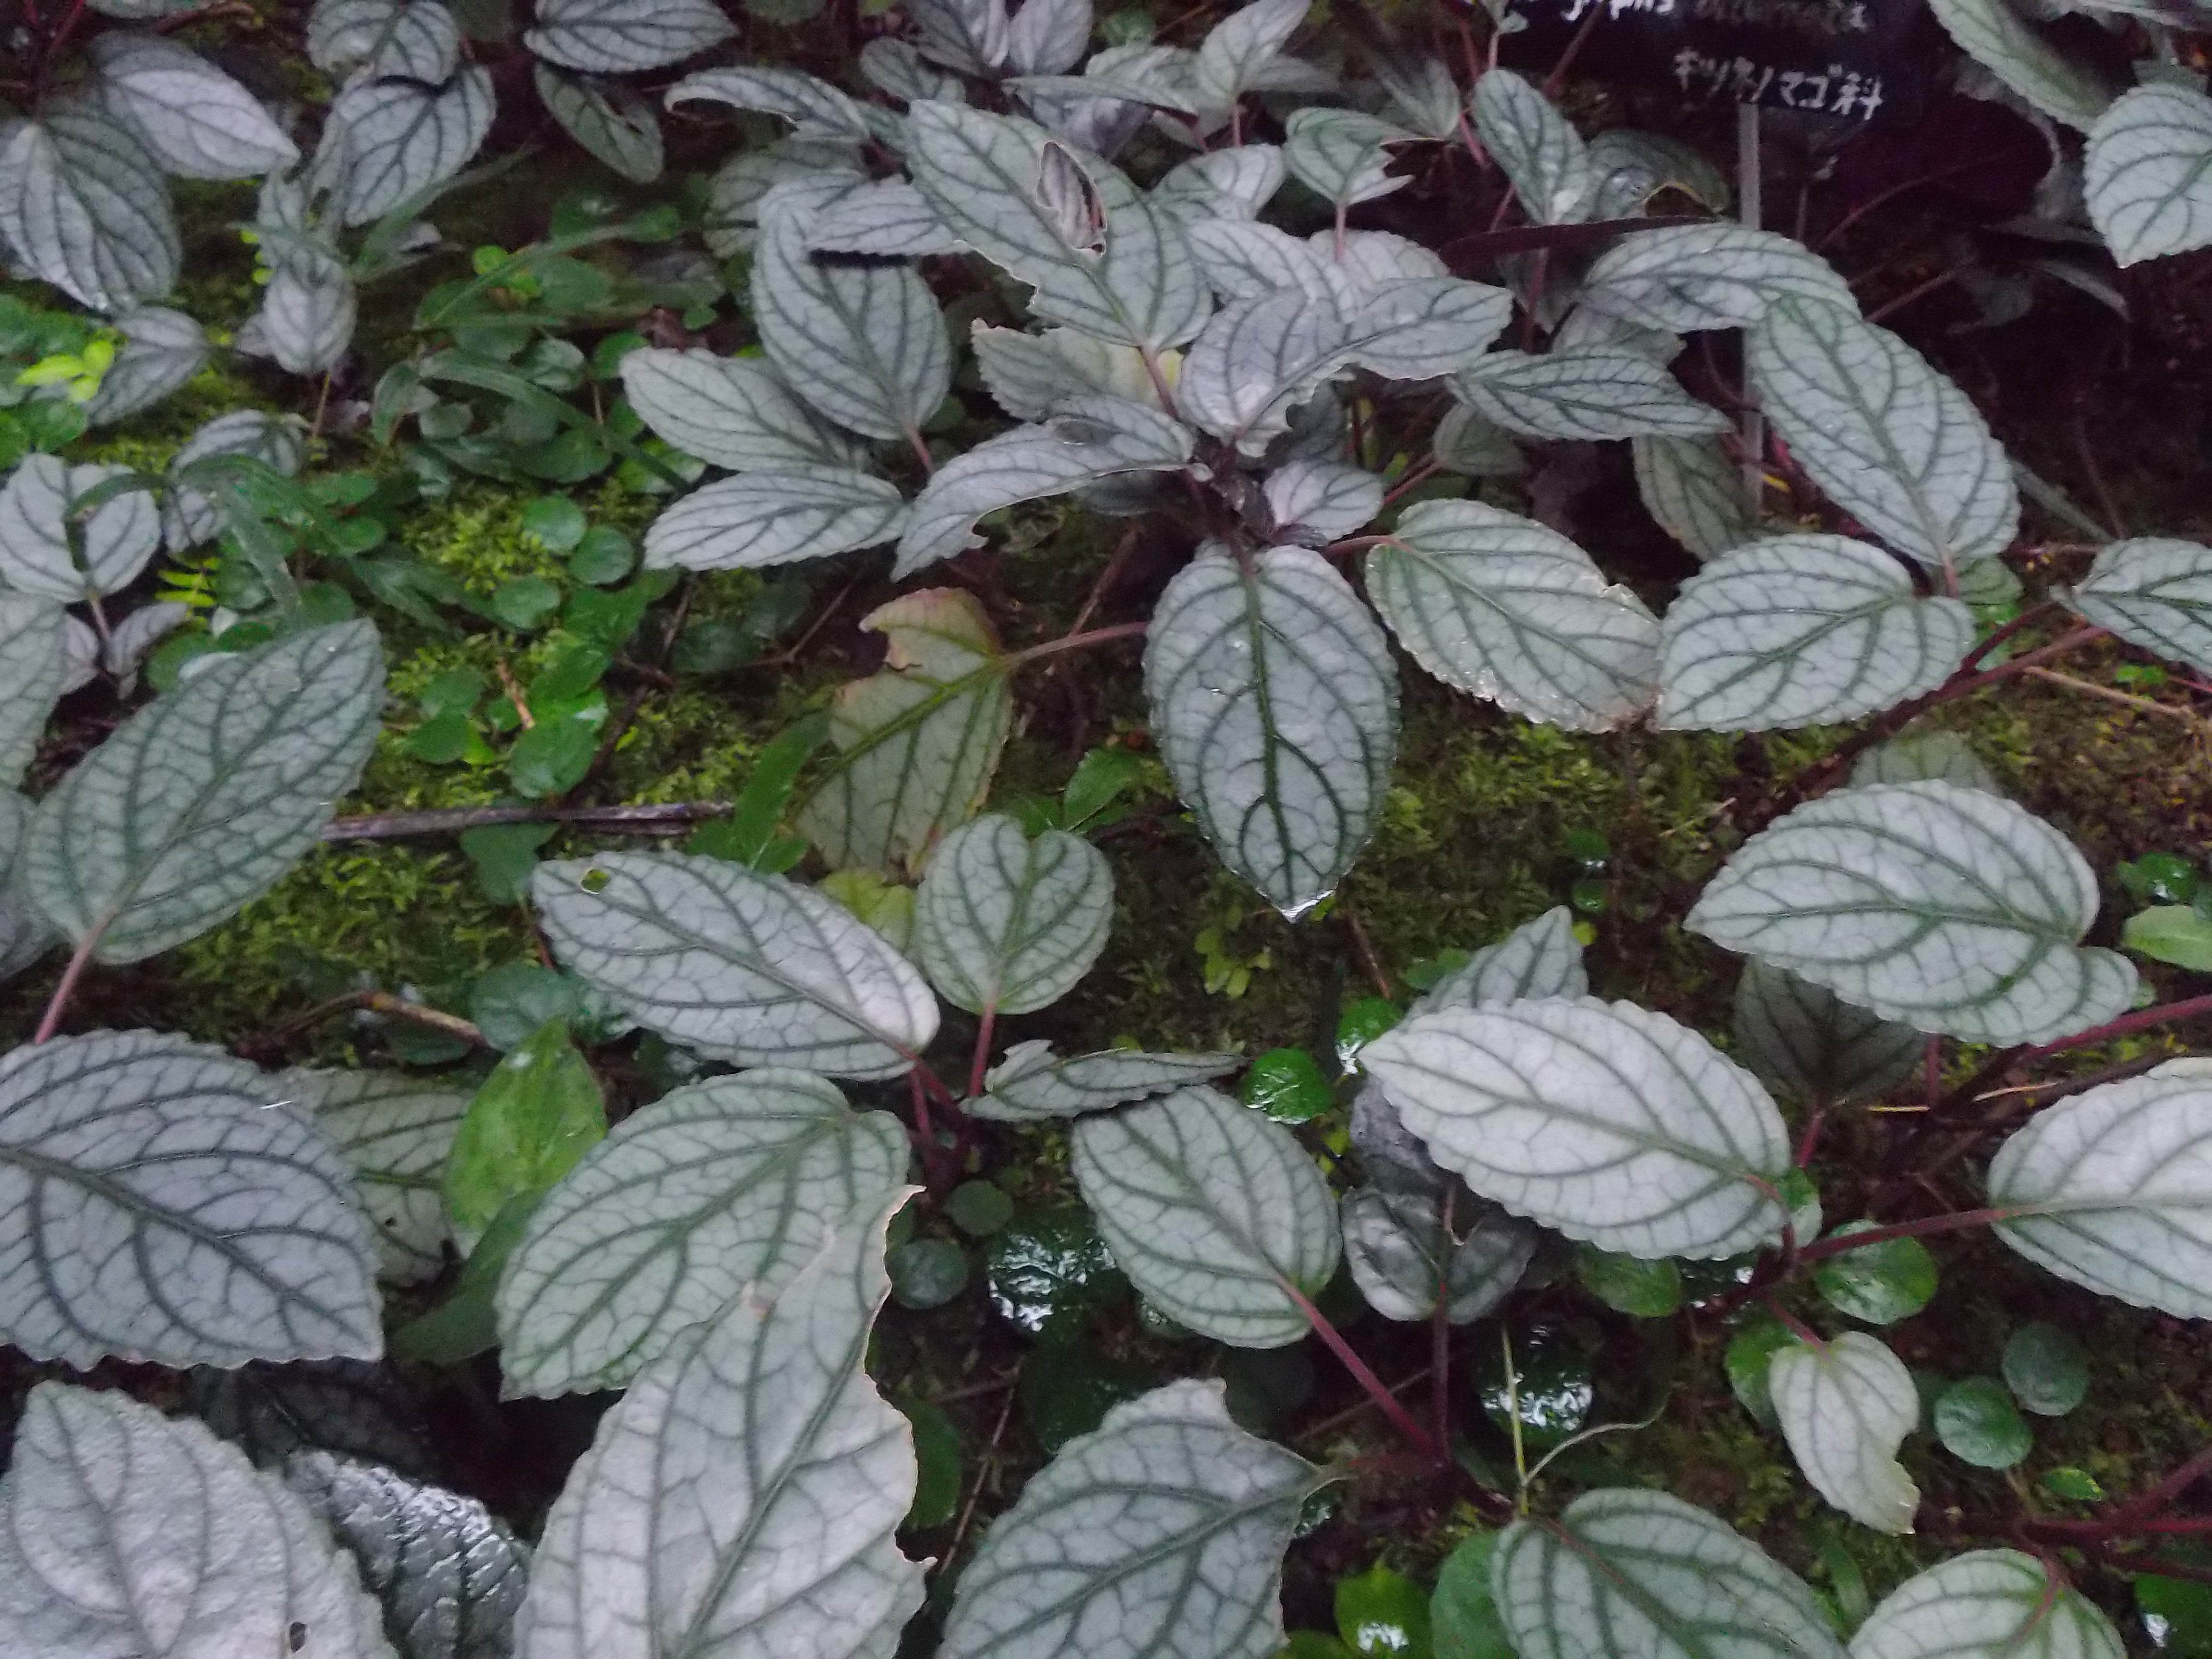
(1008, 925)
(395, 1129)
(449, 1574)
(2112, 1189)
(1316, 502)
(1541, 155)
(1694, 490)
(1988, 1604)
(1686, 278)
(1342, 155)
(887, 218)
(1368, 261)
(1999, 38)
(1590, 395)
(1403, 1256)
(1925, 758)
(1804, 1039)
(1275, 705)
(164, 1213)
(757, 520)
(355, 1408)
(1604, 1121)
(420, 39)
(1032, 375)
(1256, 361)
(1244, 259)
(385, 142)
(830, 166)
(39, 509)
(124, 1532)
(1031, 1082)
(1802, 631)
(2154, 592)
(1896, 444)
(983, 176)
(1161, 1532)
(1845, 1405)
(814, 107)
(1467, 444)
(1084, 440)
(1503, 607)
(615, 37)
(1047, 37)
(308, 311)
(1633, 167)
(1422, 327)
(917, 742)
(193, 118)
(967, 35)
(2144, 174)
(1624, 1571)
(1223, 184)
(614, 124)
(159, 351)
(1950, 909)
(717, 1190)
(1239, 51)
(84, 207)
(864, 344)
(202, 800)
(189, 517)
(31, 670)
(1586, 328)
(25, 934)
(735, 412)
(1539, 958)
(1214, 1211)
(749, 967)
(740, 1498)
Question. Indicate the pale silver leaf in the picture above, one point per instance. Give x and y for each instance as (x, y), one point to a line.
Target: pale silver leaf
(196, 120)
(1402, 1255)
(84, 207)
(1998, 38)
(420, 39)
(1031, 1082)
(161, 350)
(1589, 395)
(38, 511)
(189, 518)
(395, 1129)
(814, 107)
(1694, 489)
(2144, 173)
(1541, 155)
(756, 520)
(1987, 1604)
(618, 127)
(385, 142)
(1682, 278)
(1342, 155)
(1539, 958)
(735, 412)
(1008, 925)
(616, 37)
(1845, 1405)
(886, 218)
(30, 677)
(1316, 502)
(2154, 592)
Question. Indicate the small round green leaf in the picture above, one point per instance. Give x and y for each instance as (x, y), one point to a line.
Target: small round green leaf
(1287, 1086)
(1750, 1354)
(1382, 1614)
(2046, 1369)
(1977, 1423)
(979, 1209)
(928, 1273)
(1880, 1283)
(555, 522)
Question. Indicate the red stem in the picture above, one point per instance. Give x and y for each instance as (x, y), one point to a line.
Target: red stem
(1952, 1222)
(981, 1062)
(1440, 1331)
(1384, 1400)
(79, 960)
(1080, 641)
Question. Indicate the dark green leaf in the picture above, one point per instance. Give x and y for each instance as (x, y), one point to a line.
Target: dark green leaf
(1880, 1283)
(442, 739)
(2183, 1607)
(1383, 1614)
(604, 557)
(979, 1209)
(552, 756)
(936, 1455)
(749, 834)
(1287, 1085)
(555, 522)
(928, 1273)
(1977, 1423)
(524, 601)
(1101, 777)
(1360, 1024)
(1748, 1352)
(2047, 1370)
(1649, 1289)
(513, 1002)
(465, 1325)
(1464, 1621)
(504, 854)
(538, 1112)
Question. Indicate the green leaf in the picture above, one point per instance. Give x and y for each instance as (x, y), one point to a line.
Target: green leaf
(524, 601)
(538, 1113)
(979, 1209)
(1032, 1083)
(1647, 1290)
(202, 800)
(555, 754)
(2154, 592)
(466, 1323)
(2143, 175)
(1999, 38)
(1216, 1214)
(555, 522)
(2112, 1189)
(84, 207)
(1892, 440)
(863, 342)
(1809, 1043)
(939, 1459)
(123, 1531)
(1880, 1283)
(227, 1231)
(1008, 925)
(2183, 1607)
(504, 856)
(1870, 892)
(1383, 1614)
(1977, 1423)
(927, 1272)
(918, 741)
(1683, 278)
(1167, 1485)
(2078, 1486)
(1287, 1084)
(1802, 631)
(1630, 1572)
(1592, 395)
(1750, 1354)
(2046, 1369)
(787, 1545)
(1990, 1604)
(717, 1189)
(1506, 608)
(1613, 1124)
(1538, 149)
(749, 835)
(1463, 1620)
(1274, 702)
(752, 968)
(760, 520)
(615, 37)
(1845, 1407)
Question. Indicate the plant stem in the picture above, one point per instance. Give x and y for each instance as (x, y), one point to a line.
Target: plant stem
(79, 960)
(670, 819)
(981, 1061)
(1440, 1330)
(1079, 641)
(1387, 1402)
(1954, 1221)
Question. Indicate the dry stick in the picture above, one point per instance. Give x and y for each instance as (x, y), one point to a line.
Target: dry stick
(2125, 700)
(670, 818)
(982, 1473)
(1390, 1404)
(375, 1002)
(1890, 308)
(2104, 502)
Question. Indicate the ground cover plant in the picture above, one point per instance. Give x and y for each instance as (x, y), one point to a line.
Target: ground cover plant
(670, 676)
